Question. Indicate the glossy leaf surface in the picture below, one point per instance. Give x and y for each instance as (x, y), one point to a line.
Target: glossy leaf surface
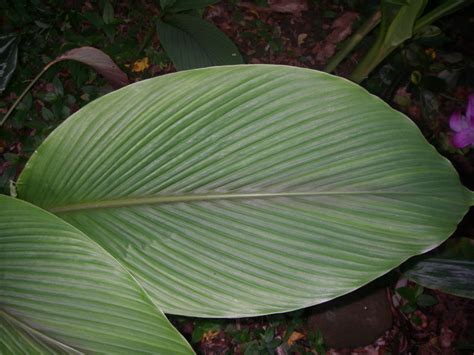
(192, 43)
(247, 190)
(62, 293)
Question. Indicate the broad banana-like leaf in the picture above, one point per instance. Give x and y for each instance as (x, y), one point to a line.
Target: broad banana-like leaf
(247, 190)
(60, 292)
(451, 271)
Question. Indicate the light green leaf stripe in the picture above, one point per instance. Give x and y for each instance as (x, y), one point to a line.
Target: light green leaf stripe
(247, 190)
(62, 293)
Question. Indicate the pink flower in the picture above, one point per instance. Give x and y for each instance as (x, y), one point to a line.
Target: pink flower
(463, 125)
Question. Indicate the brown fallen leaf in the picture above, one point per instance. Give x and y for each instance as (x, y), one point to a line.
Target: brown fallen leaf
(341, 28)
(294, 7)
(209, 335)
(99, 61)
(301, 38)
(446, 337)
(294, 337)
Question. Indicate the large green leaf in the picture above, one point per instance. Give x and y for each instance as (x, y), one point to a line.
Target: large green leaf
(451, 271)
(192, 42)
(247, 190)
(61, 292)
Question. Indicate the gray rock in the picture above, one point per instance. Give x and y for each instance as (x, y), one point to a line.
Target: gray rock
(353, 320)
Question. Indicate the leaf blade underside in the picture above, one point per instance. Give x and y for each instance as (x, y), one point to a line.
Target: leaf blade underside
(330, 188)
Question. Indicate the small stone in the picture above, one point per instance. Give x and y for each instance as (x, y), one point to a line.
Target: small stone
(354, 320)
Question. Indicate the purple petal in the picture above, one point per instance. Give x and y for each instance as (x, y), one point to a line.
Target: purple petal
(456, 122)
(470, 109)
(463, 139)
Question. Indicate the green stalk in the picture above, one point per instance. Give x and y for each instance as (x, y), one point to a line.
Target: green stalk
(378, 52)
(373, 57)
(444, 9)
(28, 88)
(353, 41)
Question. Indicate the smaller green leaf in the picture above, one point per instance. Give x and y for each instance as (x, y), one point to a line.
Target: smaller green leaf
(185, 5)
(192, 42)
(58, 86)
(8, 58)
(94, 18)
(418, 291)
(408, 308)
(426, 300)
(26, 104)
(401, 27)
(269, 334)
(47, 114)
(165, 4)
(108, 14)
(451, 270)
(408, 293)
(11, 158)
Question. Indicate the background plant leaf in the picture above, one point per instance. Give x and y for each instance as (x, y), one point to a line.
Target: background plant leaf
(398, 27)
(165, 4)
(192, 42)
(246, 190)
(186, 5)
(8, 58)
(61, 292)
(99, 61)
(451, 271)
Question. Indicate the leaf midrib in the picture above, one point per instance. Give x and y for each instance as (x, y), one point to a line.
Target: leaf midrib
(161, 199)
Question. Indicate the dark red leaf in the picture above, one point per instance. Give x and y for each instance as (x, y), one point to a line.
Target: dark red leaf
(98, 60)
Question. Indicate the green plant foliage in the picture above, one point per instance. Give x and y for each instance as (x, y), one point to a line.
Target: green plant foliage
(8, 58)
(414, 298)
(185, 5)
(63, 293)
(192, 42)
(247, 190)
(91, 56)
(397, 25)
(451, 271)
(401, 19)
(398, 20)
